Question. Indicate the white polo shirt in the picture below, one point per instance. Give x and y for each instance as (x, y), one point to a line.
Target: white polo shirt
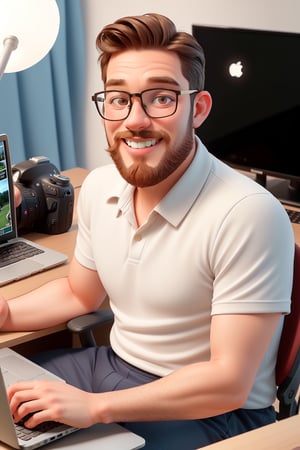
(217, 243)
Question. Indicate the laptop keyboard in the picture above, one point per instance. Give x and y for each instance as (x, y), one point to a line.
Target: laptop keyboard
(28, 433)
(17, 251)
(293, 215)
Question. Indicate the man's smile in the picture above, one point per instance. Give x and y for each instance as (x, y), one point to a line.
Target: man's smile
(141, 144)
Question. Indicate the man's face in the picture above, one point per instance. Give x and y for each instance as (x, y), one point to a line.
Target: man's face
(146, 150)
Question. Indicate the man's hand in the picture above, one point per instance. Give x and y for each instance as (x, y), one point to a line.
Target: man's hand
(50, 401)
(3, 310)
(18, 196)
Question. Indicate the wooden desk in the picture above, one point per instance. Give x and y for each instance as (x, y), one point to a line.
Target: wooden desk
(65, 243)
(282, 435)
(296, 228)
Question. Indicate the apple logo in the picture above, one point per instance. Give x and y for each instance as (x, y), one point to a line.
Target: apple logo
(236, 69)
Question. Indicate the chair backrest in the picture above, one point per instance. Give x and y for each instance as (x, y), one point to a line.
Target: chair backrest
(288, 358)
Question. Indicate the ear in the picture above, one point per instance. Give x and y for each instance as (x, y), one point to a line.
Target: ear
(202, 107)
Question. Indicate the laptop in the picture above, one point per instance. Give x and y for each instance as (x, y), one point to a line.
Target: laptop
(14, 367)
(44, 258)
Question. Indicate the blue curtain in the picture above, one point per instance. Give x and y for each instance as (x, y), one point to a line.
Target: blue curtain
(41, 108)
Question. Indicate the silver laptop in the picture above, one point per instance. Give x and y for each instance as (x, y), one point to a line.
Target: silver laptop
(44, 258)
(13, 368)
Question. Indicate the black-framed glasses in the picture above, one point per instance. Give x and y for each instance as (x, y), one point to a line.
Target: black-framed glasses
(157, 103)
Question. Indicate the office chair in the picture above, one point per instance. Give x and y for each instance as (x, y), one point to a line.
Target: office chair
(288, 358)
(84, 325)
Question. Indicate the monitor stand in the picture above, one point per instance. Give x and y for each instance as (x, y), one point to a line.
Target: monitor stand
(287, 191)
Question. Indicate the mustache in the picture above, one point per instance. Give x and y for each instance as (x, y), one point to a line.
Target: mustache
(144, 134)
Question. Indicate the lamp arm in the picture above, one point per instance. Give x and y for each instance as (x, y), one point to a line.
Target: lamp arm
(10, 43)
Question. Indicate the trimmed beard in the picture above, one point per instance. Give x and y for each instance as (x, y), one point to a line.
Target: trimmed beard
(140, 174)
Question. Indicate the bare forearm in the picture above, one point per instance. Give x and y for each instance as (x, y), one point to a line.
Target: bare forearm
(55, 302)
(202, 389)
(49, 305)
(194, 392)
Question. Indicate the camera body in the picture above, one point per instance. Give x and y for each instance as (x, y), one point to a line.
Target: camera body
(47, 197)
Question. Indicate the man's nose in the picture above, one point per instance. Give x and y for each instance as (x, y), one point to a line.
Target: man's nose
(137, 116)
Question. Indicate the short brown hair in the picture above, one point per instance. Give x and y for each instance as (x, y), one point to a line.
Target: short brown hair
(152, 31)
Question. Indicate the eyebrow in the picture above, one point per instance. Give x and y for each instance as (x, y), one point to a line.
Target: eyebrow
(164, 80)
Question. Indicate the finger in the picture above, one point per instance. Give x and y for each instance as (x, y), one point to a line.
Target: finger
(26, 409)
(37, 418)
(21, 399)
(18, 196)
(19, 386)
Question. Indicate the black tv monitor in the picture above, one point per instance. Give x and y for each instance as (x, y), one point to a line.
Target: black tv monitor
(254, 126)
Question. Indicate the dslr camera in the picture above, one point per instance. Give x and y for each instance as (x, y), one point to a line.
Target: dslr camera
(47, 197)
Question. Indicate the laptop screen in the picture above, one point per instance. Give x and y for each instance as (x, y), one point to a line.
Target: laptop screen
(7, 208)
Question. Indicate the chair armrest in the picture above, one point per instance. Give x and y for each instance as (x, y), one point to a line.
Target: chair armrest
(287, 392)
(84, 325)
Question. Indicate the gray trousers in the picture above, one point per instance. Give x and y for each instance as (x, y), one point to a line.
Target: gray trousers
(99, 369)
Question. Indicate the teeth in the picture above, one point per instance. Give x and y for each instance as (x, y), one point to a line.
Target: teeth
(144, 144)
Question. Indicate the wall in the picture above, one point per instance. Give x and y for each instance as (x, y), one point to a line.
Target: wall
(281, 15)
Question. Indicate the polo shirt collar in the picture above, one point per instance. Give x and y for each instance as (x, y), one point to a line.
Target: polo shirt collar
(178, 201)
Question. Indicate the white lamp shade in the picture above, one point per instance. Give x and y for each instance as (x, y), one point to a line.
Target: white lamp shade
(35, 23)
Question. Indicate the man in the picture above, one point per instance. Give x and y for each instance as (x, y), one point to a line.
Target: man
(197, 261)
